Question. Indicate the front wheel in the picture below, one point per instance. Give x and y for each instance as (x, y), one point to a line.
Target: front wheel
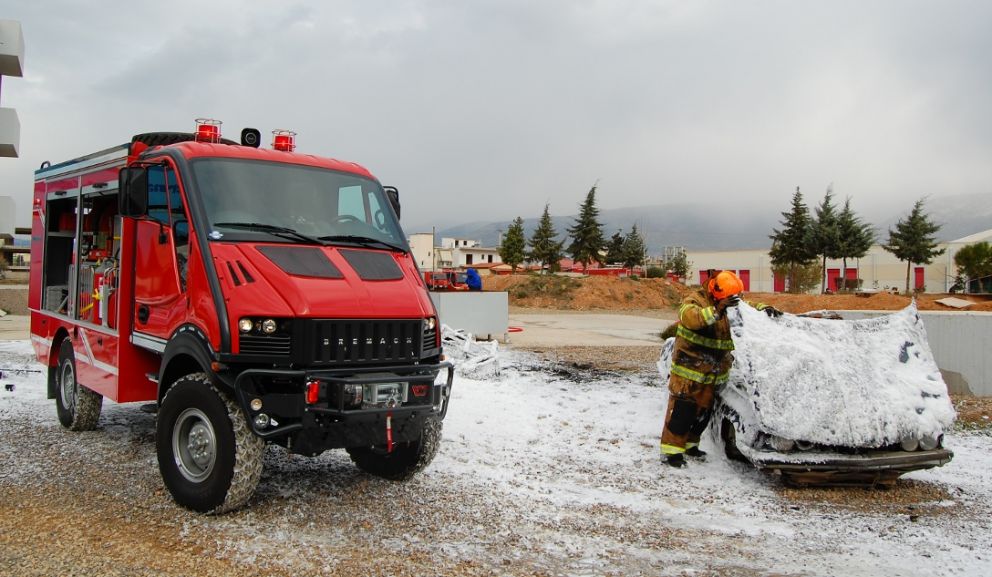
(405, 460)
(209, 459)
(78, 408)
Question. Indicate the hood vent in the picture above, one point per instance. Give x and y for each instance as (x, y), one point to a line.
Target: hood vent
(301, 261)
(372, 265)
(245, 276)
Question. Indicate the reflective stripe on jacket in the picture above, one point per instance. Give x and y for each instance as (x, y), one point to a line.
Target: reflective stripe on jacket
(702, 342)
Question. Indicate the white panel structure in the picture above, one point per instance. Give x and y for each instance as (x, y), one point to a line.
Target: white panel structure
(482, 314)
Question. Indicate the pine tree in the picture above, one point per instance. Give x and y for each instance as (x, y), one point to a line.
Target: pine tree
(587, 232)
(511, 251)
(544, 248)
(793, 247)
(913, 239)
(634, 250)
(856, 236)
(614, 249)
(680, 265)
(826, 234)
(974, 263)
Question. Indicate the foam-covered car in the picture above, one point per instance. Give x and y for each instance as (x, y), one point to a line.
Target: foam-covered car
(824, 400)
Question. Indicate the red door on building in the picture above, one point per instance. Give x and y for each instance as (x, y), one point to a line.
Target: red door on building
(918, 273)
(745, 279)
(703, 277)
(778, 283)
(833, 274)
(852, 275)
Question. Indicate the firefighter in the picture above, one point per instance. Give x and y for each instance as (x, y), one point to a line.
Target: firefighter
(700, 362)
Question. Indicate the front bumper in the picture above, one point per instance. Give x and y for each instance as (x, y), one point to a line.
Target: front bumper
(312, 428)
(819, 469)
(904, 461)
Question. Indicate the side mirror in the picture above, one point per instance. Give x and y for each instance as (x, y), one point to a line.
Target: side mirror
(133, 191)
(394, 199)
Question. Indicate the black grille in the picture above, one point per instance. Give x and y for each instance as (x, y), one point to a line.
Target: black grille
(355, 342)
(266, 345)
(430, 337)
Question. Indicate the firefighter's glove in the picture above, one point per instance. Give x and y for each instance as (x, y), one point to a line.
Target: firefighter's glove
(772, 312)
(723, 304)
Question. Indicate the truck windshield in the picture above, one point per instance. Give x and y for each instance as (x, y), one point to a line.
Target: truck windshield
(246, 200)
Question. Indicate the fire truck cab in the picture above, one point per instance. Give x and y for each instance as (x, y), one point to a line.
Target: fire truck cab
(253, 295)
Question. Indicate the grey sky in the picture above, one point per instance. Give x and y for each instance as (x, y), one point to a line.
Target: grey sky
(486, 110)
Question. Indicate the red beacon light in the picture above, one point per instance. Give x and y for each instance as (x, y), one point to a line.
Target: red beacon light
(284, 140)
(207, 130)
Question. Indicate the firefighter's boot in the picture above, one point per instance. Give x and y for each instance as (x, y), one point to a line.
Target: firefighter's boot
(696, 453)
(677, 460)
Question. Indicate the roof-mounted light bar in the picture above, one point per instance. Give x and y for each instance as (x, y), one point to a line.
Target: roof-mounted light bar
(207, 130)
(284, 140)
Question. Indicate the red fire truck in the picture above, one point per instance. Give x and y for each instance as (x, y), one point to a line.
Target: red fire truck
(253, 295)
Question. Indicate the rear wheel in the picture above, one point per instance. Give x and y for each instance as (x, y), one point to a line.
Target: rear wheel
(209, 459)
(405, 460)
(78, 408)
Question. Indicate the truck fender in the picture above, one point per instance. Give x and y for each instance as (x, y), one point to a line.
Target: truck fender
(188, 351)
(53, 361)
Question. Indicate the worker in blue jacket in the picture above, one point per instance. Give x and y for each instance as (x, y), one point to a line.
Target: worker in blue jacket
(473, 280)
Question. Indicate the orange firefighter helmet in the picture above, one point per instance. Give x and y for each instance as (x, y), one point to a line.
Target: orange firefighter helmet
(725, 284)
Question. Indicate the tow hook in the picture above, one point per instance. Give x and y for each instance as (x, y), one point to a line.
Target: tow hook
(389, 432)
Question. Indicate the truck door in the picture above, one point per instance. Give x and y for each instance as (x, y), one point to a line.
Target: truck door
(161, 247)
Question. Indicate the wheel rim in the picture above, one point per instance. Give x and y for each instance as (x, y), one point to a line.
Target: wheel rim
(194, 445)
(67, 386)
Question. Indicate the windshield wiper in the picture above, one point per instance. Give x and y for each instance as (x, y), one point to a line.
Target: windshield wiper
(363, 241)
(280, 231)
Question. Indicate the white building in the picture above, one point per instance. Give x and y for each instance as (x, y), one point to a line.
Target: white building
(878, 269)
(451, 253)
(460, 253)
(11, 64)
(8, 214)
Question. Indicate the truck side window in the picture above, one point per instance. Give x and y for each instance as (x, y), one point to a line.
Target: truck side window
(158, 201)
(165, 205)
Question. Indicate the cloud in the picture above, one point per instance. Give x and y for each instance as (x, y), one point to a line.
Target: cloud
(490, 109)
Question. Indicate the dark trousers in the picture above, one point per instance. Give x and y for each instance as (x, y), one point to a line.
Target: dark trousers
(689, 407)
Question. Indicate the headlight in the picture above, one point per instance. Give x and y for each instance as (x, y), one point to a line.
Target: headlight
(929, 442)
(245, 325)
(780, 444)
(910, 444)
(431, 323)
(268, 326)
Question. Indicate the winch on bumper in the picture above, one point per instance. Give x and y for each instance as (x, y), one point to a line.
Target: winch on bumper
(309, 412)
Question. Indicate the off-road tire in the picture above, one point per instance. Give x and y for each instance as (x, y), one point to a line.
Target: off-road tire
(219, 475)
(78, 408)
(405, 460)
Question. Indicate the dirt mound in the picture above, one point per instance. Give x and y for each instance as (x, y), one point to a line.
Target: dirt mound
(879, 301)
(626, 294)
(587, 293)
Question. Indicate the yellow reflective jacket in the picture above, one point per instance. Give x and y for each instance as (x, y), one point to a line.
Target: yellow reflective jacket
(702, 341)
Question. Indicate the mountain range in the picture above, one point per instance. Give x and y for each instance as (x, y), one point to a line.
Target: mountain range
(703, 227)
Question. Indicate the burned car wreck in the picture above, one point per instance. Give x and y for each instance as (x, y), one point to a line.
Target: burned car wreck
(822, 401)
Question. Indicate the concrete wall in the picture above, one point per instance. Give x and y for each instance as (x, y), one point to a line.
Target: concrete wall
(960, 345)
(484, 314)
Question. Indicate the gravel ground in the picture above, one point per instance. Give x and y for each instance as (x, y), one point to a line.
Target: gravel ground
(519, 488)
